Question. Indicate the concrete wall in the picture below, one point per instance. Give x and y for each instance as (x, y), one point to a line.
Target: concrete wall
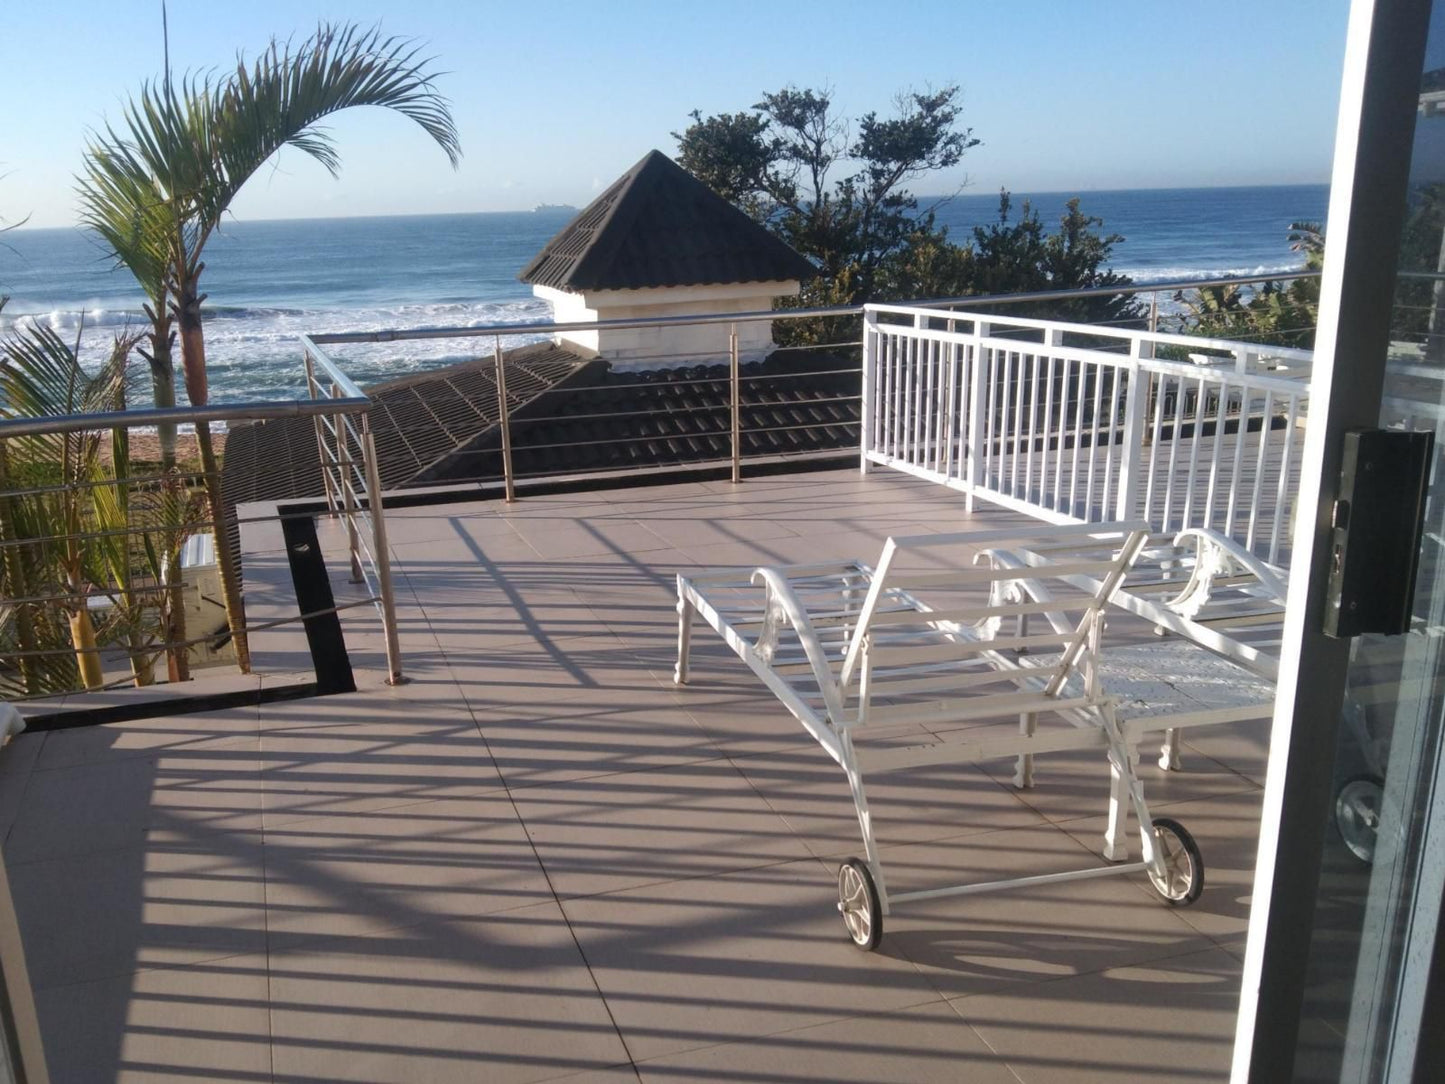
(684, 344)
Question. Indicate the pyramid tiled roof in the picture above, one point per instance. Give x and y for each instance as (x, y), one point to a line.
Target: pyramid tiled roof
(658, 225)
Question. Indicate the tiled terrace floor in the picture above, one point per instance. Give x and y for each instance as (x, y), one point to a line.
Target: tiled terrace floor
(539, 860)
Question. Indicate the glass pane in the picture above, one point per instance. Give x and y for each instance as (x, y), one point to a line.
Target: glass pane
(1379, 901)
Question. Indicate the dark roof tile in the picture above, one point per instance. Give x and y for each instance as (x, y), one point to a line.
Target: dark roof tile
(573, 416)
(657, 225)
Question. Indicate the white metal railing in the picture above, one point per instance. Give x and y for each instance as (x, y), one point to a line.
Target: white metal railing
(1077, 423)
(725, 418)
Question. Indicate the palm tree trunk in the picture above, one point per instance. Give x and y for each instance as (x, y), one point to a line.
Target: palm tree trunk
(142, 658)
(87, 658)
(138, 650)
(225, 556)
(173, 611)
(163, 388)
(178, 658)
(193, 360)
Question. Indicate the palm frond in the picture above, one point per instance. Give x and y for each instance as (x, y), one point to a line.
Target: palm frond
(199, 142)
(280, 99)
(42, 377)
(126, 208)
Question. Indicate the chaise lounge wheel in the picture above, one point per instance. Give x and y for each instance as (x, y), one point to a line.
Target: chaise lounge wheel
(1183, 876)
(1357, 815)
(858, 904)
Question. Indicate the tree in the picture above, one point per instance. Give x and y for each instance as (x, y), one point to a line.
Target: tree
(128, 212)
(866, 233)
(1019, 257)
(1273, 313)
(46, 549)
(778, 162)
(195, 146)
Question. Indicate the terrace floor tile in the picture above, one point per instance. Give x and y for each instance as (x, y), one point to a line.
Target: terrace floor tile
(98, 915)
(388, 868)
(502, 998)
(637, 828)
(689, 965)
(927, 1044)
(1170, 1019)
(211, 1021)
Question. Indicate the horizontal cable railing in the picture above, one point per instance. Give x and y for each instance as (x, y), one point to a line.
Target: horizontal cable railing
(108, 555)
(353, 489)
(1022, 410)
(718, 407)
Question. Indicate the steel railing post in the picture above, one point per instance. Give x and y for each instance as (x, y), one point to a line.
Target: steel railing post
(348, 491)
(504, 417)
(381, 554)
(735, 381)
(866, 401)
(313, 389)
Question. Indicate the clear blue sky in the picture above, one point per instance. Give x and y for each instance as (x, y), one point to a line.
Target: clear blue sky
(554, 99)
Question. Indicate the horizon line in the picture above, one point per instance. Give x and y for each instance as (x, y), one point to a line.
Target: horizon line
(1070, 193)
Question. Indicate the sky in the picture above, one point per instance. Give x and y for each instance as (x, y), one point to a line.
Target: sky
(554, 100)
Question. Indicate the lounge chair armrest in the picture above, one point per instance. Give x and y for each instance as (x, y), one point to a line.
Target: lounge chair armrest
(1218, 555)
(783, 606)
(1023, 589)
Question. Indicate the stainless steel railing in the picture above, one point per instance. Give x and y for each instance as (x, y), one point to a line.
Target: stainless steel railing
(90, 563)
(353, 488)
(735, 419)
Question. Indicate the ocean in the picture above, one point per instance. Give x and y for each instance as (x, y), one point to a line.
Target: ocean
(269, 282)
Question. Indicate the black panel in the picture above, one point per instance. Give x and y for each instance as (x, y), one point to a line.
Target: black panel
(1379, 519)
(313, 596)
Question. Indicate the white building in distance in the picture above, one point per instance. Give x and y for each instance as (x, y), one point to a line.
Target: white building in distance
(659, 242)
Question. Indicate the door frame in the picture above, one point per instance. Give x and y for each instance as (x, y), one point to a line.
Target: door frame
(1384, 53)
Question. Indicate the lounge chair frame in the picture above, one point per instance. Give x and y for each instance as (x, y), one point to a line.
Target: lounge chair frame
(863, 646)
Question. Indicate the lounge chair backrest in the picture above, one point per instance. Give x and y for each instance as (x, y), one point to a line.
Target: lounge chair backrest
(1001, 577)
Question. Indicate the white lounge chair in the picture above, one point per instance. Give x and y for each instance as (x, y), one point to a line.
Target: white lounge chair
(1206, 588)
(924, 639)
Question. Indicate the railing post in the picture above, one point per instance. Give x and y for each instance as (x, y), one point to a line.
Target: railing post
(504, 417)
(348, 493)
(976, 434)
(313, 389)
(1132, 459)
(1153, 314)
(735, 375)
(381, 554)
(866, 401)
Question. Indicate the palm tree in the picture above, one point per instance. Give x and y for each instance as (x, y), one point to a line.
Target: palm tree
(192, 148)
(58, 542)
(129, 215)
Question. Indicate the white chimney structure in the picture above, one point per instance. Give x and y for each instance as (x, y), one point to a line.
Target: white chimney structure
(659, 242)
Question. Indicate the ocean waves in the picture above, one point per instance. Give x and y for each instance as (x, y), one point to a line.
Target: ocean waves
(253, 352)
(1146, 275)
(272, 282)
